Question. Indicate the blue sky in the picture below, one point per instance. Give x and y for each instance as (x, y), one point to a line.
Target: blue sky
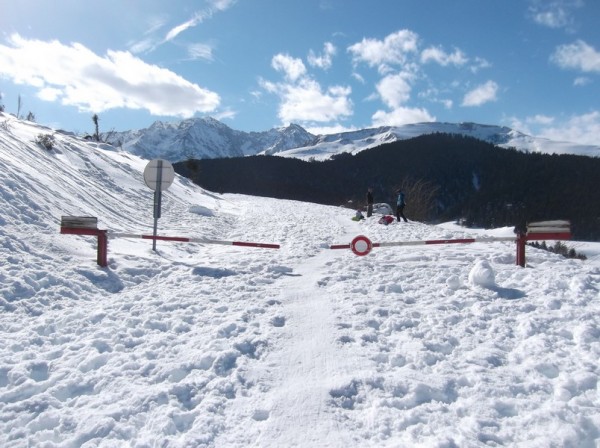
(328, 65)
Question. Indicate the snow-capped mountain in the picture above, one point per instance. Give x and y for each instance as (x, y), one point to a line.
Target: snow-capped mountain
(207, 138)
(326, 146)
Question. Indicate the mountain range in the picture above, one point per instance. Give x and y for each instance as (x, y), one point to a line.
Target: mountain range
(208, 138)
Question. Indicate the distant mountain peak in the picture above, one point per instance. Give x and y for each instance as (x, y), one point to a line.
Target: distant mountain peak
(207, 137)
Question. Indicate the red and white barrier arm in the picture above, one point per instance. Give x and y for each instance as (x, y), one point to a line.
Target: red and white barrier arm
(194, 240)
(361, 245)
(450, 241)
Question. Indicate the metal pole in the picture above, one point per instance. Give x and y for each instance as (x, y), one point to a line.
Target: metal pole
(521, 243)
(157, 200)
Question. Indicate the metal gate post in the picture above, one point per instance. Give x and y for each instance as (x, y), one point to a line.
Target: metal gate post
(521, 243)
(102, 248)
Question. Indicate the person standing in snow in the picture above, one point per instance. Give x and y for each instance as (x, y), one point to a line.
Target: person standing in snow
(369, 202)
(400, 204)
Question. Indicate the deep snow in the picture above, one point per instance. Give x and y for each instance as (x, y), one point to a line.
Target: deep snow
(222, 346)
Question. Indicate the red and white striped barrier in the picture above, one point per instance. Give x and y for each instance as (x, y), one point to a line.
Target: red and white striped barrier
(544, 230)
(194, 240)
(88, 226)
(361, 245)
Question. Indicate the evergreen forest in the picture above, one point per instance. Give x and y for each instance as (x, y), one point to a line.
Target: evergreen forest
(445, 177)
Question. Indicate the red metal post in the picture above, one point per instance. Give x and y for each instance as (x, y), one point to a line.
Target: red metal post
(102, 258)
(102, 248)
(521, 243)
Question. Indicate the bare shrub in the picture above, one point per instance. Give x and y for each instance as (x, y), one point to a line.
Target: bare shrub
(45, 140)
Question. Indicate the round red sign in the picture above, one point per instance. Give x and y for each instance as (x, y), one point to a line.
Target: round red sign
(361, 245)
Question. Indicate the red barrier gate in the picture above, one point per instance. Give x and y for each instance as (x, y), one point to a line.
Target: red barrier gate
(544, 230)
(88, 225)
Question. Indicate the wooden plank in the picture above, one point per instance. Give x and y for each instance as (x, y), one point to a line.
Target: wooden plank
(561, 227)
(547, 229)
(79, 222)
(556, 223)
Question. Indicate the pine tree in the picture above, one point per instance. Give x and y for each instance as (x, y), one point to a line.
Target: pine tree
(95, 119)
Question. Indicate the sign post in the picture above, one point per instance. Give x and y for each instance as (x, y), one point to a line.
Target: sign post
(158, 176)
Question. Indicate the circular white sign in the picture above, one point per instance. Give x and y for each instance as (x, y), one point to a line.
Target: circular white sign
(361, 245)
(159, 174)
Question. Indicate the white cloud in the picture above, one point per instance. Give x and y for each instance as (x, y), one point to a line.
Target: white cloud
(479, 64)
(393, 50)
(177, 30)
(554, 13)
(581, 81)
(292, 68)
(306, 101)
(552, 18)
(540, 119)
(583, 129)
(200, 51)
(148, 43)
(328, 130)
(358, 77)
(401, 116)
(394, 90)
(325, 60)
(143, 45)
(78, 77)
(198, 17)
(436, 54)
(481, 94)
(49, 94)
(579, 56)
(224, 114)
(302, 99)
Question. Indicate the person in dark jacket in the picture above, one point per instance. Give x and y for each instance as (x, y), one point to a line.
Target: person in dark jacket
(400, 204)
(369, 202)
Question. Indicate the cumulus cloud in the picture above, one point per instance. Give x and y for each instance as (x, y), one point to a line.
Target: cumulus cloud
(306, 101)
(324, 60)
(481, 94)
(302, 99)
(401, 62)
(393, 50)
(394, 90)
(401, 116)
(292, 68)
(75, 76)
(436, 54)
(579, 56)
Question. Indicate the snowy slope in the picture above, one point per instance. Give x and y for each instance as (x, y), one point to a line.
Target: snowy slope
(208, 138)
(210, 345)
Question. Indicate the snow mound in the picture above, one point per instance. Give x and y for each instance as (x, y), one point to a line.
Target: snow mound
(482, 275)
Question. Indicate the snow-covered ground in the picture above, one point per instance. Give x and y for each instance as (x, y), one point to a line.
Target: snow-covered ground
(205, 345)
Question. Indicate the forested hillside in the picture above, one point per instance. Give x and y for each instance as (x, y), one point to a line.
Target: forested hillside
(446, 177)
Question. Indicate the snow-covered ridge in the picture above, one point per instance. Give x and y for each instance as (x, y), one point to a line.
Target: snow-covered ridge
(208, 138)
